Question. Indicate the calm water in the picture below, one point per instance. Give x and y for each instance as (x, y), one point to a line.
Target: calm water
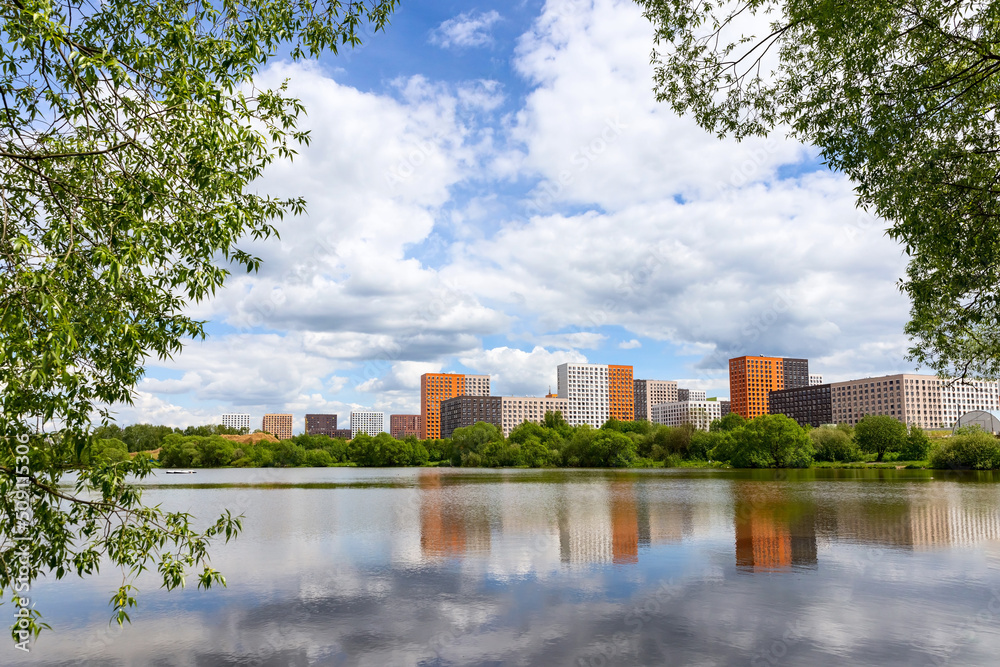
(456, 567)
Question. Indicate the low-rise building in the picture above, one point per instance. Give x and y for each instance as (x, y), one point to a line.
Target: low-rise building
(515, 410)
(699, 414)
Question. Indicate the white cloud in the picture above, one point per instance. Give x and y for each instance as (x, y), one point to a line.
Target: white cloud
(515, 372)
(633, 344)
(465, 30)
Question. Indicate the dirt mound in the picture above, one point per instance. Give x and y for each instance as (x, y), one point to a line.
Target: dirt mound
(252, 439)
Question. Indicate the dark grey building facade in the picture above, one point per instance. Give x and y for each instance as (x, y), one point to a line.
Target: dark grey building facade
(806, 405)
(796, 372)
(321, 425)
(467, 410)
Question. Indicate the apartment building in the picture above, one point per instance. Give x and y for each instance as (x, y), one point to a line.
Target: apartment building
(321, 424)
(961, 396)
(365, 421)
(691, 395)
(699, 413)
(647, 393)
(463, 411)
(437, 387)
(725, 407)
(236, 420)
(815, 379)
(596, 393)
(401, 426)
(911, 398)
(807, 405)
(278, 425)
(342, 434)
(751, 379)
(515, 410)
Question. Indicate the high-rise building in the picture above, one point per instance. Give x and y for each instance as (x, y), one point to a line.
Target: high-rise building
(515, 410)
(437, 387)
(691, 395)
(961, 396)
(699, 414)
(463, 411)
(366, 421)
(342, 434)
(278, 425)
(910, 398)
(807, 405)
(596, 393)
(401, 426)
(238, 421)
(321, 425)
(751, 379)
(647, 393)
(815, 379)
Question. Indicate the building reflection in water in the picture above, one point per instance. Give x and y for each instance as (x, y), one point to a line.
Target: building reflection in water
(448, 528)
(772, 531)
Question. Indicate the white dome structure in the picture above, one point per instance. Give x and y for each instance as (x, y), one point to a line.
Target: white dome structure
(988, 421)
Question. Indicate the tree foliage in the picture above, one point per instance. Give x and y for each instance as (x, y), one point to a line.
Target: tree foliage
(131, 132)
(767, 441)
(900, 95)
(879, 434)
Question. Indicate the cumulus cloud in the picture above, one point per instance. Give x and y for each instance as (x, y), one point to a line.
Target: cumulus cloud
(465, 30)
(633, 344)
(515, 372)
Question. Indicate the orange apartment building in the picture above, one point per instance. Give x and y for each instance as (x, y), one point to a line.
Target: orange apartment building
(437, 387)
(621, 393)
(752, 378)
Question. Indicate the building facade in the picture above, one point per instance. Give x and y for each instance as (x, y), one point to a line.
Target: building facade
(691, 395)
(342, 434)
(596, 393)
(365, 421)
(961, 396)
(914, 400)
(515, 410)
(437, 387)
(236, 420)
(647, 393)
(463, 411)
(699, 414)
(321, 425)
(751, 379)
(278, 425)
(725, 407)
(807, 405)
(815, 379)
(401, 426)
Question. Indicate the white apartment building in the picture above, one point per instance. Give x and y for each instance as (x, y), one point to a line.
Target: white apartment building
(477, 385)
(585, 388)
(515, 410)
(648, 393)
(912, 399)
(690, 395)
(961, 396)
(234, 420)
(815, 379)
(700, 414)
(363, 421)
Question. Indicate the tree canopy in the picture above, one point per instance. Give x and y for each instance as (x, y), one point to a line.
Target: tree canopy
(131, 133)
(901, 96)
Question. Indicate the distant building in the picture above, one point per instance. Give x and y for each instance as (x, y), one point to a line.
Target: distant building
(751, 379)
(959, 397)
(278, 425)
(806, 405)
(596, 393)
(401, 426)
(364, 421)
(321, 424)
(691, 395)
(647, 393)
(515, 410)
(725, 407)
(342, 434)
(462, 411)
(910, 398)
(437, 387)
(699, 414)
(236, 420)
(815, 379)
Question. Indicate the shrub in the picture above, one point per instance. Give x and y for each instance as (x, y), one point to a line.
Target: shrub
(768, 441)
(975, 451)
(917, 446)
(832, 444)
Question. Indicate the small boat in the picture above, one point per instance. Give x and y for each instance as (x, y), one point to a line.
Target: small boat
(181, 472)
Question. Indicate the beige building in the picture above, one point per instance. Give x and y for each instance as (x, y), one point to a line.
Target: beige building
(912, 399)
(278, 425)
(650, 392)
(699, 414)
(515, 410)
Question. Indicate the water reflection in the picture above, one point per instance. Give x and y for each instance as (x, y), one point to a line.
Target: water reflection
(773, 531)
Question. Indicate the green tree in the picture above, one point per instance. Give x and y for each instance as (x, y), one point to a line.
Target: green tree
(917, 446)
(469, 440)
(833, 444)
(878, 434)
(730, 422)
(975, 450)
(901, 96)
(132, 135)
(768, 441)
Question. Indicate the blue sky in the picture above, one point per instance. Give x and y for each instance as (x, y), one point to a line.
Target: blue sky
(494, 189)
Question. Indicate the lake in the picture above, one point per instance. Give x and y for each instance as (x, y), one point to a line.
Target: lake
(435, 567)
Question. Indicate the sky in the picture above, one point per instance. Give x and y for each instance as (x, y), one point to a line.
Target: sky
(492, 188)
